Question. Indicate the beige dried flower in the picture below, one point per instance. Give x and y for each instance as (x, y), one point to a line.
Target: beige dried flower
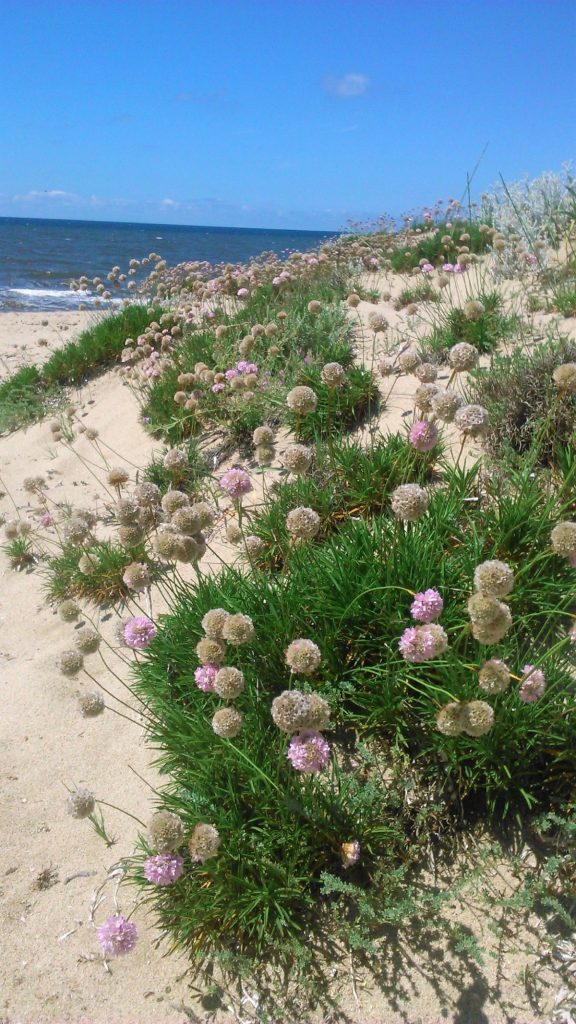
(136, 576)
(386, 367)
(164, 544)
(451, 719)
(303, 523)
(491, 632)
(185, 520)
(165, 832)
(263, 435)
(473, 309)
(75, 530)
(565, 377)
(479, 718)
(70, 662)
(426, 372)
(87, 640)
(147, 494)
(314, 307)
(253, 547)
(297, 458)
(563, 539)
(293, 711)
(238, 629)
(175, 460)
(118, 476)
(227, 722)
(409, 360)
(472, 420)
(80, 803)
(301, 400)
(353, 300)
(69, 610)
(91, 703)
(333, 375)
(204, 843)
(423, 396)
(233, 533)
(377, 321)
(229, 683)
(130, 536)
(485, 608)
(463, 356)
(126, 511)
(494, 676)
(409, 502)
(303, 657)
(174, 500)
(88, 564)
(210, 652)
(494, 577)
(213, 622)
(205, 514)
(445, 404)
(189, 549)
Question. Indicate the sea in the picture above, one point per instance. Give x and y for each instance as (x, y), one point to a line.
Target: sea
(38, 257)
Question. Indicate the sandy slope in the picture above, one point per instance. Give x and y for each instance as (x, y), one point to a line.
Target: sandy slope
(50, 970)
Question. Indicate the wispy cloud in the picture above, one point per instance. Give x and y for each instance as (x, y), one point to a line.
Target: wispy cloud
(48, 193)
(169, 202)
(351, 84)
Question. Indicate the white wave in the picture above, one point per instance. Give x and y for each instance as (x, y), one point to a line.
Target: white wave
(47, 293)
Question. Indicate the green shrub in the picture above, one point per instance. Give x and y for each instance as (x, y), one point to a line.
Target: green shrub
(486, 332)
(97, 347)
(23, 399)
(430, 248)
(104, 586)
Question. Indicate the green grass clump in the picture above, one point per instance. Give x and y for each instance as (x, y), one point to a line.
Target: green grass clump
(103, 587)
(564, 301)
(423, 292)
(23, 399)
(98, 346)
(489, 330)
(188, 480)
(528, 415)
(278, 880)
(430, 246)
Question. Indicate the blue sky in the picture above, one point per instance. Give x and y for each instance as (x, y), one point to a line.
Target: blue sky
(276, 113)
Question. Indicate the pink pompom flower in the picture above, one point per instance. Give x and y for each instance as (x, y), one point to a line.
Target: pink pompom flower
(427, 606)
(427, 268)
(423, 435)
(243, 293)
(217, 387)
(308, 751)
(236, 482)
(117, 936)
(46, 519)
(205, 676)
(532, 684)
(163, 868)
(421, 643)
(138, 632)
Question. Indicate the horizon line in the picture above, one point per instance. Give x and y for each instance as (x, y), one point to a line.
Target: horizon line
(159, 224)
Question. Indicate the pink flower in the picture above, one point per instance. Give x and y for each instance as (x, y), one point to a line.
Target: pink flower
(242, 366)
(236, 482)
(205, 676)
(163, 868)
(117, 936)
(308, 751)
(217, 387)
(427, 606)
(46, 519)
(423, 435)
(242, 293)
(427, 268)
(421, 643)
(231, 374)
(532, 684)
(138, 632)
(460, 268)
(448, 268)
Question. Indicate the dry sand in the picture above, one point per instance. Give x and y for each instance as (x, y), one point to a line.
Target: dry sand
(50, 969)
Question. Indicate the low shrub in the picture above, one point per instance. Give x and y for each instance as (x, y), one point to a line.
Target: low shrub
(97, 347)
(485, 332)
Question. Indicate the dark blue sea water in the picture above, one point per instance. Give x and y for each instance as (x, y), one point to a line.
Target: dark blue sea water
(38, 258)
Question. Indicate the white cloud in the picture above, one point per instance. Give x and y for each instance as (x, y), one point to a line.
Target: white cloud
(169, 202)
(47, 193)
(351, 84)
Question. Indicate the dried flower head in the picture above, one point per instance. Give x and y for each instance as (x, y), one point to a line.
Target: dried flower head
(445, 404)
(494, 676)
(426, 372)
(492, 632)
(532, 684)
(303, 523)
(263, 435)
(210, 652)
(423, 397)
(126, 511)
(185, 520)
(485, 609)
(308, 752)
(301, 400)
(473, 309)
(421, 643)
(409, 360)
(563, 538)
(204, 843)
(478, 718)
(227, 722)
(117, 936)
(87, 640)
(70, 662)
(463, 356)
(80, 803)
(175, 460)
(136, 576)
(293, 711)
(118, 476)
(205, 514)
(409, 502)
(91, 703)
(130, 536)
(303, 657)
(238, 629)
(147, 494)
(165, 831)
(350, 853)
(495, 578)
(75, 530)
(297, 458)
(163, 868)
(213, 622)
(565, 377)
(451, 718)
(253, 547)
(164, 544)
(315, 307)
(333, 375)
(353, 300)
(233, 533)
(236, 482)
(472, 420)
(69, 610)
(174, 500)
(386, 366)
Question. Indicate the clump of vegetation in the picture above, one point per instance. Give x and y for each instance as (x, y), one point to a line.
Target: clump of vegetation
(24, 398)
(94, 574)
(486, 328)
(440, 245)
(564, 301)
(422, 292)
(529, 414)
